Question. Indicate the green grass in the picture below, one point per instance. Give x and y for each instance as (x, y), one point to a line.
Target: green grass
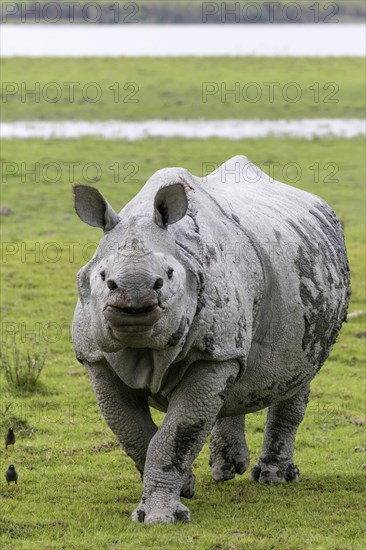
(76, 487)
(165, 88)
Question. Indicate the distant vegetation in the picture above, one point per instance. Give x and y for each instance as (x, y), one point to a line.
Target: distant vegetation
(182, 12)
(140, 89)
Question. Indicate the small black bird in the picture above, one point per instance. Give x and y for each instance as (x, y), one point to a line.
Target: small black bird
(11, 474)
(9, 438)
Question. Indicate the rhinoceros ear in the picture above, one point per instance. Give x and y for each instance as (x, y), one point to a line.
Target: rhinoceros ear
(93, 209)
(170, 204)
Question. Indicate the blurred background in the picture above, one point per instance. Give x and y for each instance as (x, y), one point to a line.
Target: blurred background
(184, 12)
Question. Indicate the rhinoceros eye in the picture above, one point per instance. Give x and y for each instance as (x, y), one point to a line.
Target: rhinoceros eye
(102, 275)
(170, 272)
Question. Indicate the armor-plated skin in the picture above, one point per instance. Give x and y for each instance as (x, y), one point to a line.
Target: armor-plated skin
(208, 298)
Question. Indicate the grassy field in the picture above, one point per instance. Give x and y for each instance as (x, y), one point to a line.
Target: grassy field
(139, 89)
(76, 487)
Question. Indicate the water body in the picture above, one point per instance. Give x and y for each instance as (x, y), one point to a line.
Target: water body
(199, 129)
(313, 40)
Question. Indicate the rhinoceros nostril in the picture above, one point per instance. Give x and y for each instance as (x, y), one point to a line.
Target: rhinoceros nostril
(158, 284)
(111, 284)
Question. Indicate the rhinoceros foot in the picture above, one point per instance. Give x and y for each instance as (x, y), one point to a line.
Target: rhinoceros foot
(228, 463)
(278, 472)
(153, 510)
(230, 459)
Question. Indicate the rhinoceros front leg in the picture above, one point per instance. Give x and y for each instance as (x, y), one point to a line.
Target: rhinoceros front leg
(229, 454)
(125, 410)
(283, 419)
(193, 408)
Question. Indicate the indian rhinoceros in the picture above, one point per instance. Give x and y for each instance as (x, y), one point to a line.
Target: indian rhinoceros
(208, 298)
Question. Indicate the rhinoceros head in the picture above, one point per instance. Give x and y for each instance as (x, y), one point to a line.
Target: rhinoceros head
(135, 291)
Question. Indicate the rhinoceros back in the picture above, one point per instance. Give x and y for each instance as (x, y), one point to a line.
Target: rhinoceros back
(303, 256)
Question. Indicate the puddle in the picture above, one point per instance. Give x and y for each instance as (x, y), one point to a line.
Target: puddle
(198, 129)
(204, 40)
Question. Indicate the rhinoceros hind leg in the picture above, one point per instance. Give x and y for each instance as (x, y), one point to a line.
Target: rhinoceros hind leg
(188, 489)
(229, 454)
(276, 462)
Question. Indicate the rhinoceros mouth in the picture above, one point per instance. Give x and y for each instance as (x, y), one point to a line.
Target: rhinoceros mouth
(130, 321)
(130, 310)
